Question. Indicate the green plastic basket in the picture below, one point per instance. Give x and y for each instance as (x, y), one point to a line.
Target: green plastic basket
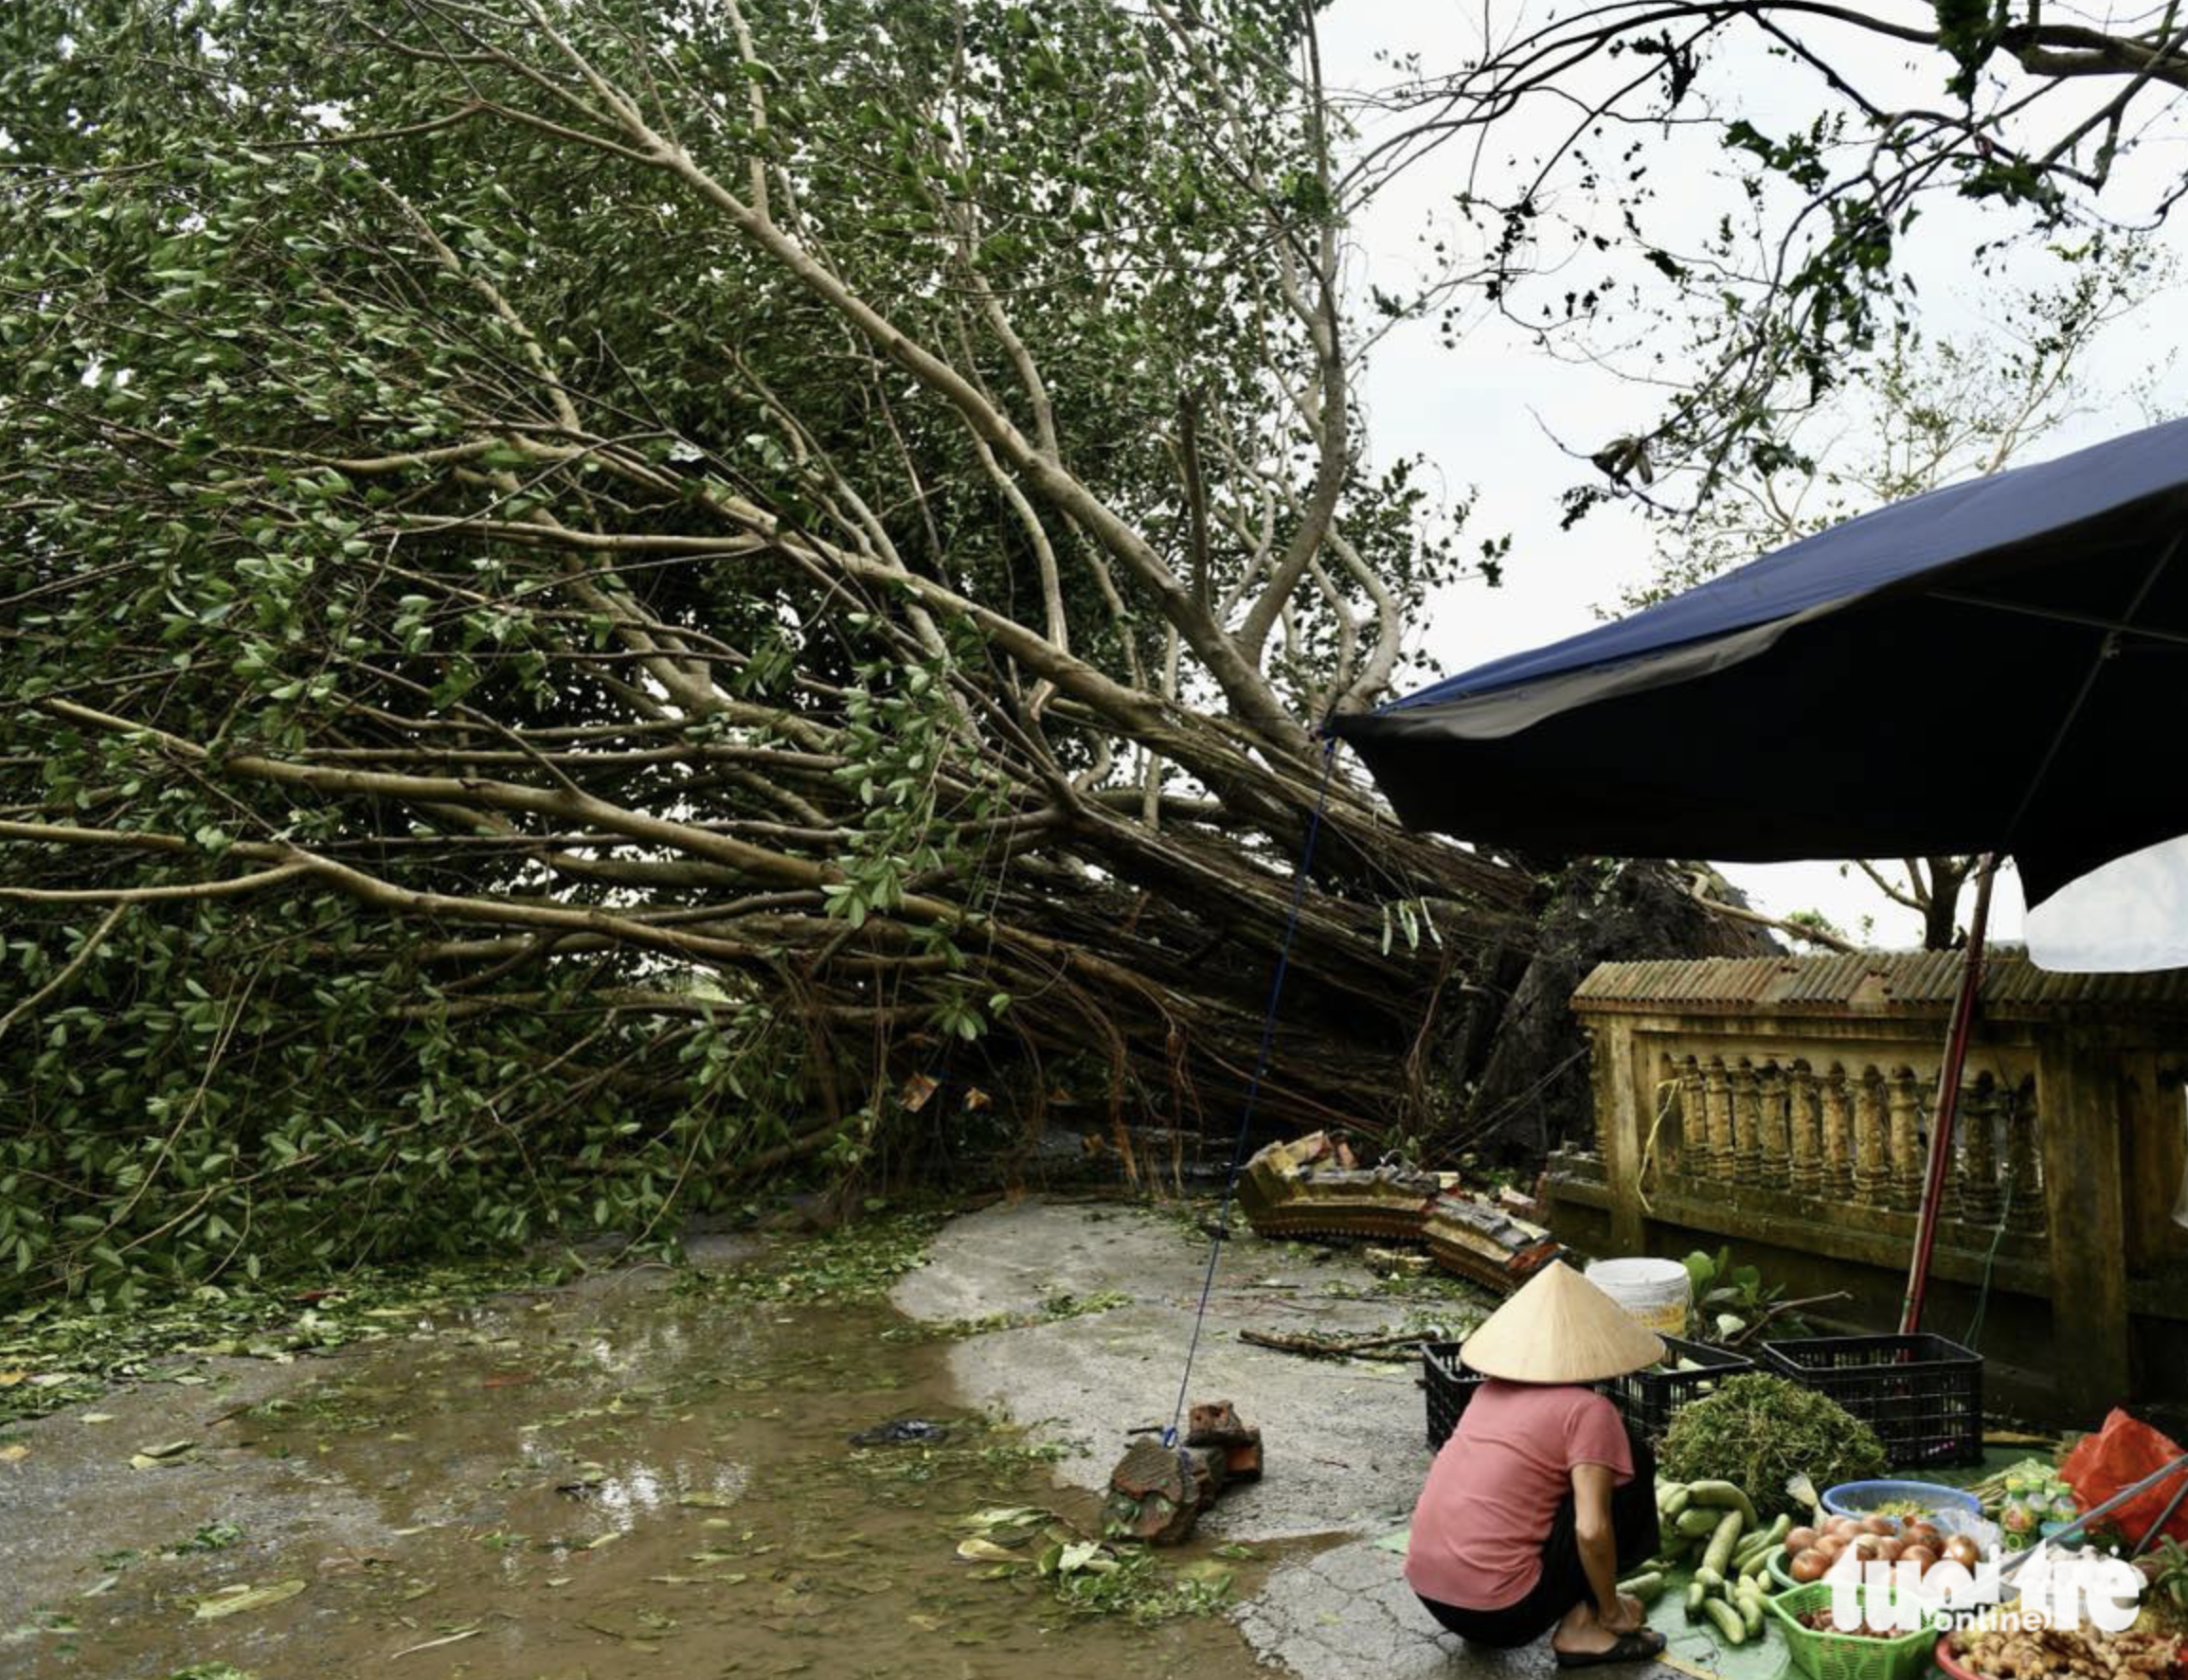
(1846, 1656)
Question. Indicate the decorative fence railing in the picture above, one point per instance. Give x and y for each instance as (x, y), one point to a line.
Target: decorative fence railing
(1789, 1102)
(1849, 1131)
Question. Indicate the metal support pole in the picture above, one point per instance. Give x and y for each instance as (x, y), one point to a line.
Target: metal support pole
(1939, 1168)
(2164, 1516)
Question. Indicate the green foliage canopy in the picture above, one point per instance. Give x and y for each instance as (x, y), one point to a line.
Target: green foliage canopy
(590, 587)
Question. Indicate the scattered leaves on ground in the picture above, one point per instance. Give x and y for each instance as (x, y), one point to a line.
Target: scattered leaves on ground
(856, 1262)
(1092, 1577)
(1055, 1309)
(216, 1536)
(67, 1352)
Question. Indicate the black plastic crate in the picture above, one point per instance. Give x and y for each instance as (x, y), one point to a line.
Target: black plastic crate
(1450, 1386)
(1922, 1394)
(1648, 1401)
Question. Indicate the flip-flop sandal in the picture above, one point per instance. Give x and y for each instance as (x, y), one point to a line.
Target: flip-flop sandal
(1645, 1645)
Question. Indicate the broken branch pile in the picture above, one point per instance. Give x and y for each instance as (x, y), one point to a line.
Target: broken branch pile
(1310, 1188)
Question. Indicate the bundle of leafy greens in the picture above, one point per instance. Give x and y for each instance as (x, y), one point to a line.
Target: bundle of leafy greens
(1757, 1431)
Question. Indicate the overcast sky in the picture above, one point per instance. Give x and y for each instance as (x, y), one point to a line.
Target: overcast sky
(1489, 415)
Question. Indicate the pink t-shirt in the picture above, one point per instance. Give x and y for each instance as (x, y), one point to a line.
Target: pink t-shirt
(1486, 1509)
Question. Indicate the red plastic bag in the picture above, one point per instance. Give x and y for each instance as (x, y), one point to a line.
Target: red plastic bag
(2119, 1456)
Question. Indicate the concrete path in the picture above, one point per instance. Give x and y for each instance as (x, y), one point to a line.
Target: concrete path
(1346, 1441)
(1345, 1438)
(1346, 1614)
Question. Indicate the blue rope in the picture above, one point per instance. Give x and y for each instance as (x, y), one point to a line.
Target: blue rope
(1260, 1060)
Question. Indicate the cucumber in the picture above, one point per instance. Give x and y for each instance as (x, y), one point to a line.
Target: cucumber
(1710, 1580)
(1775, 1534)
(1751, 1609)
(1647, 1588)
(1761, 1544)
(1729, 1620)
(1697, 1595)
(1698, 1521)
(1724, 1495)
(1673, 1503)
(1727, 1534)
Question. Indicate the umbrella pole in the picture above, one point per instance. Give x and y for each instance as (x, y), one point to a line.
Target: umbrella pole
(1940, 1165)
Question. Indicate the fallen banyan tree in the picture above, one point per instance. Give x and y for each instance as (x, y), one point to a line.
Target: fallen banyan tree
(593, 611)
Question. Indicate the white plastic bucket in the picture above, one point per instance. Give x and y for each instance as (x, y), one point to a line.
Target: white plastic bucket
(1654, 1290)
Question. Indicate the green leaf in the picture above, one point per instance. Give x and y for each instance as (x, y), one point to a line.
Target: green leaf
(235, 1600)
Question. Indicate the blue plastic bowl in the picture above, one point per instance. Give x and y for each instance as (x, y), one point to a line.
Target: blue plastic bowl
(1854, 1499)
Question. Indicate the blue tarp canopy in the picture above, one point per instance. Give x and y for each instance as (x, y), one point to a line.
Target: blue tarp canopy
(1998, 666)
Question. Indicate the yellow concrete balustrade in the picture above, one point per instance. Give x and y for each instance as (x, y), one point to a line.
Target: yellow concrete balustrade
(1783, 1104)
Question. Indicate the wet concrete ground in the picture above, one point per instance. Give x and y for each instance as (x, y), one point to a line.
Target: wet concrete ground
(1346, 1441)
(627, 1480)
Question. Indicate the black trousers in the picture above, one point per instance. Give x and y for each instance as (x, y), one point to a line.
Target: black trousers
(1564, 1583)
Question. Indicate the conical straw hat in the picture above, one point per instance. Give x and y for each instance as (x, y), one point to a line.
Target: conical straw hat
(1560, 1329)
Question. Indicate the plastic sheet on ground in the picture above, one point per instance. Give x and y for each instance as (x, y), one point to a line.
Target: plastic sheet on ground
(1694, 1647)
(1698, 1649)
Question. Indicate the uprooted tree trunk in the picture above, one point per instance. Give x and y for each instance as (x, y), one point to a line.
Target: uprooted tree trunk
(1534, 1087)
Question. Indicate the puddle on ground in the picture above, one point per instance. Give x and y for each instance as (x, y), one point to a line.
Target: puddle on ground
(615, 1483)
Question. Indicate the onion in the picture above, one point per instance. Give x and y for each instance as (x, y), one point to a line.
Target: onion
(1844, 1527)
(1888, 1550)
(1808, 1564)
(1963, 1550)
(1830, 1546)
(1873, 1524)
(1921, 1534)
(1801, 1540)
(1919, 1554)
